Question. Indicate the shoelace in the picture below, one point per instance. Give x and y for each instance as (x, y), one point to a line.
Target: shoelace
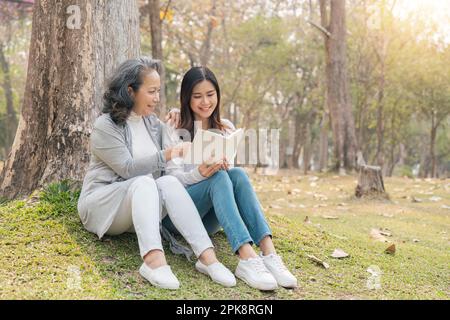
(278, 262)
(258, 264)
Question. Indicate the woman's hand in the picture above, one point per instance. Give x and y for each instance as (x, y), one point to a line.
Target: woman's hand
(207, 170)
(177, 151)
(225, 164)
(173, 117)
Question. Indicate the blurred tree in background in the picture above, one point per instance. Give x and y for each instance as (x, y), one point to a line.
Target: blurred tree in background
(271, 62)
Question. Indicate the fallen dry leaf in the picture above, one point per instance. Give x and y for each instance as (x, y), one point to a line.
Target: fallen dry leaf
(330, 217)
(339, 253)
(386, 233)
(320, 196)
(376, 235)
(390, 249)
(318, 261)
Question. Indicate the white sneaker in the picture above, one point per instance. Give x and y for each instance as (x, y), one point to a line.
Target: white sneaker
(276, 266)
(218, 273)
(161, 277)
(255, 274)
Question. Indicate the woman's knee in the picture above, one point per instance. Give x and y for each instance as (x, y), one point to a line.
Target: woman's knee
(168, 182)
(143, 182)
(238, 175)
(220, 177)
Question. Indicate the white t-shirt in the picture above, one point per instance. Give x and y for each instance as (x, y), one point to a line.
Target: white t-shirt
(142, 143)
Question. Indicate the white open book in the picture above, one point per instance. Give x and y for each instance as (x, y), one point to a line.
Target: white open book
(211, 147)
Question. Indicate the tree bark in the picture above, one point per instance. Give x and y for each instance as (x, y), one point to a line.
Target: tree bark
(298, 140)
(432, 144)
(323, 143)
(306, 148)
(66, 75)
(370, 183)
(157, 50)
(380, 121)
(381, 85)
(11, 118)
(338, 98)
(205, 50)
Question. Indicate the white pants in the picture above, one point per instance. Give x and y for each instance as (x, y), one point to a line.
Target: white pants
(141, 211)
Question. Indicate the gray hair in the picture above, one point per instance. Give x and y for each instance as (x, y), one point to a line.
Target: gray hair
(116, 99)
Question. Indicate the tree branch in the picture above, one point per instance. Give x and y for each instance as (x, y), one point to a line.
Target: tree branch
(322, 29)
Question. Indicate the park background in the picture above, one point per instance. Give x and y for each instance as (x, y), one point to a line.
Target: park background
(345, 81)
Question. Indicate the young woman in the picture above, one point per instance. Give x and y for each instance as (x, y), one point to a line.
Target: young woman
(123, 190)
(225, 197)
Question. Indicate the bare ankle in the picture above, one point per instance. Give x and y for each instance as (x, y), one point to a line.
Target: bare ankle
(246, 252)
(155, 259)
(266, 246)
(208, 257)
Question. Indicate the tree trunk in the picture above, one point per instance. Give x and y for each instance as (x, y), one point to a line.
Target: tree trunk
(432, 145)
(338, 98)
(297, 143)
(381, 85)
(306, 147)
(380, 123)
(157, 50)
(323, 144)
(205, 50)
(68, 63)
(370, 183)
(11, 119)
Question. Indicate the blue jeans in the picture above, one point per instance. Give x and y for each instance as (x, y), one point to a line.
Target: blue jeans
(227, 200)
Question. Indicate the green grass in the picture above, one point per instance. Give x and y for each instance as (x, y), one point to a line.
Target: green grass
(44, 250)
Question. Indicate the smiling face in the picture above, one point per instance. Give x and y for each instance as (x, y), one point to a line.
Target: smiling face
(203, 100)
(146, 98)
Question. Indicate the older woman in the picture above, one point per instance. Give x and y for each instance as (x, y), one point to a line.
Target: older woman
(123, 189)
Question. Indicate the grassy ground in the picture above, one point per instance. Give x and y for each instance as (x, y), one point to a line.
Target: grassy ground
(45, 253)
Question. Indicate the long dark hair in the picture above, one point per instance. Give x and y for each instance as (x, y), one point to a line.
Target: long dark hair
(190, 80)
(116, 99)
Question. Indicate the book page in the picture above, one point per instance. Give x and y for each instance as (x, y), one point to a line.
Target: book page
(211, 147)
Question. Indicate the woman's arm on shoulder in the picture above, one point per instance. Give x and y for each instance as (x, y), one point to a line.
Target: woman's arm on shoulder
(228, 124)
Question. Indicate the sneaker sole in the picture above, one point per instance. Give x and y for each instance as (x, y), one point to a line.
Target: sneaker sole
(159, 285)
(199, 269)
(256, 286)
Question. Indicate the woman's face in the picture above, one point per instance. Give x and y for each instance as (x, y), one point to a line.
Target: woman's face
(203, 100)
(147, 97)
